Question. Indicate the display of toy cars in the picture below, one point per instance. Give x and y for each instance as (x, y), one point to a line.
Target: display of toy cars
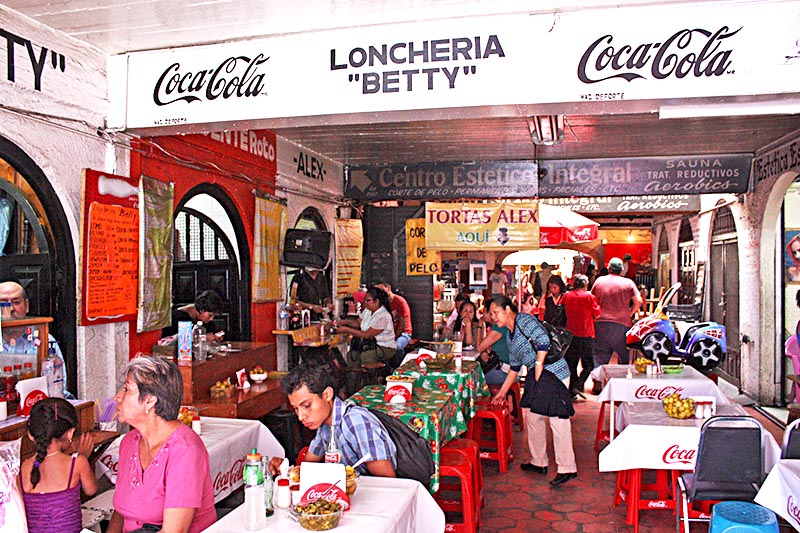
(702, 346)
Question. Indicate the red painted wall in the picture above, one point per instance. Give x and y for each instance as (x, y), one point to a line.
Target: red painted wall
(247, 161)
(640, 252)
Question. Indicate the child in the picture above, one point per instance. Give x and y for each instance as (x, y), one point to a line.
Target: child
(51, 480)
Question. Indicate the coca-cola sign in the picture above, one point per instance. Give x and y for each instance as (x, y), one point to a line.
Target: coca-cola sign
(658, 504)
(236, 76)
(677, 455)
(655, 393)
(792, 508)
(688, 52)
(326, 492)
(224, 481)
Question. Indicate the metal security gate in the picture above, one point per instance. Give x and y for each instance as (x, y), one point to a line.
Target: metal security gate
(725, 291)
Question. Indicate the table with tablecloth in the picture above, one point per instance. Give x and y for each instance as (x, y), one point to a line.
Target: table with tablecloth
(641, 387)
(379, 505)
(780, 492)
(228, 441)
(467, 385)
(650, 439)
(433, 414)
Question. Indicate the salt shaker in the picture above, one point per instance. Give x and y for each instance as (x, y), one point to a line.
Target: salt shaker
(196, 427)
(283, 495)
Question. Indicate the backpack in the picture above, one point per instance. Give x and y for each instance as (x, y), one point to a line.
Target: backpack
(414, 460)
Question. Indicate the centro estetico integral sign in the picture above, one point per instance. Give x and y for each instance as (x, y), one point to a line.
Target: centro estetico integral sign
(636, 176)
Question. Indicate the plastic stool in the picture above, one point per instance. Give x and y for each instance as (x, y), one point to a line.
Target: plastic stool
(454, 465)
(469, 450)
(502, 442)
(742, 517)
(513, 398)
(601, 434)
(284, 425)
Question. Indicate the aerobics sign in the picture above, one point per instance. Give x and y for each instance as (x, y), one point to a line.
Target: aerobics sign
(645, 176)
(666, 203)
(430, 181)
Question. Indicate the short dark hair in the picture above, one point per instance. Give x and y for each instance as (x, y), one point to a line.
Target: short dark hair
(208, 301)
(376, 293)
(160, 379)
(316, 377)
(503, 301)
(556, 280)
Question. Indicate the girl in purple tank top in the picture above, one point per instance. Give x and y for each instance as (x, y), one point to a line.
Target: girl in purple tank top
(51, 480)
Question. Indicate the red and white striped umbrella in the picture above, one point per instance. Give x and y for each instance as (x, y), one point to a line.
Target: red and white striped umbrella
(562, 226)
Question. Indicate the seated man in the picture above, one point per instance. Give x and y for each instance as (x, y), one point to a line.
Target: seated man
(359, 432)
(20, 345)
(401, 315)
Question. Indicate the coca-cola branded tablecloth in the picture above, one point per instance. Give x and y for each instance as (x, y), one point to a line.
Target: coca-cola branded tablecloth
(379, 505)
(644, 388)
(228, 441)
(781, 491)
(652, 440)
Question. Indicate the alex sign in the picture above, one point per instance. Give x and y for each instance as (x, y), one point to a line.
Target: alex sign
(419, 260)
(484, 226)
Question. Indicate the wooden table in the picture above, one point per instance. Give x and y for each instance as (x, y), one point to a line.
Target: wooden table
(15, 427)
(252, 403)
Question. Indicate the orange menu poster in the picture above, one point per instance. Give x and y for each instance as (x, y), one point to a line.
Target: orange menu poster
(110, 255)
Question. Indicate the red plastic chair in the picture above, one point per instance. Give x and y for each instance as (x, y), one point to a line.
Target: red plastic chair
(454, 465)
(500, 444)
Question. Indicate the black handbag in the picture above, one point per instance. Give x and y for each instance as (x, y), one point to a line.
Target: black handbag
(491, 363)
(560, 339)
(357, 344)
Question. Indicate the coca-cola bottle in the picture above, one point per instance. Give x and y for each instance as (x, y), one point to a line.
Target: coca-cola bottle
(333, 452)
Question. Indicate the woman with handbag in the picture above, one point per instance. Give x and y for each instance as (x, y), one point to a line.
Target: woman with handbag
(546, 394)
(493, 352)
(551, 306)
(373, 331)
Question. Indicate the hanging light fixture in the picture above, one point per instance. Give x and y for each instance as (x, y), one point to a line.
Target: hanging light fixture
(547, 130)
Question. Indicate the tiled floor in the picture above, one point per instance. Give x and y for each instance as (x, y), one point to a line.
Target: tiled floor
(519, 501)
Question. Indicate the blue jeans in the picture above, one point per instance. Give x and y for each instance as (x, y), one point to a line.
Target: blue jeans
(403, 340)
(609, 337)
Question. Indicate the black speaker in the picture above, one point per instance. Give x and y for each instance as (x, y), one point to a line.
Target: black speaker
(306, 248)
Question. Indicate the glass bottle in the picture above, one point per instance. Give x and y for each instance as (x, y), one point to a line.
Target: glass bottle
(55, 378)
(333, 452)
(199, 342)
(27, 371)
(269, 488)
(18, 372)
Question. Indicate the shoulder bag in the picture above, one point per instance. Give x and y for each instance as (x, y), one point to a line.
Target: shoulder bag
(560, 339)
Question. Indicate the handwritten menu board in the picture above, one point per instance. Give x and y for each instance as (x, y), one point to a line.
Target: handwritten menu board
(110, 248)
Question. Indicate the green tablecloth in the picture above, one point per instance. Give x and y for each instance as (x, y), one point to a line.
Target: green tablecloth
(431, 413)
(466, 385)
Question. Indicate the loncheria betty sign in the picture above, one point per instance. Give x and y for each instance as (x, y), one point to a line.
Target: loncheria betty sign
(684, 51)
(484, 226)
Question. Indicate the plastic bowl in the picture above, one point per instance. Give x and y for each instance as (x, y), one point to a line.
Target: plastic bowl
(442, 347)
(641, 364)
(672, 369)
(258, 378)
(440, 362)
(317, 522)
(186, 413)
(680, 415)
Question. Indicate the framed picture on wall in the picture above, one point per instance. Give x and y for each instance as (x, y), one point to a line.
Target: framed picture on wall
(477, 275)
(791, 239)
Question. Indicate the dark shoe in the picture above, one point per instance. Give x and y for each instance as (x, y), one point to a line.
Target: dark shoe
(533, 468)
(596, 389)
(576, 393)
(560, 479)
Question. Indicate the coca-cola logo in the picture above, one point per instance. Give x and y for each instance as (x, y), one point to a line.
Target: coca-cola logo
(657, 504)
(108, 461)
(235, 76)
(792, 509)
(326, 492)
(396, 390)
(646, 393)
(675, 454)
(30, 400)
(695, 52)
(227, 480)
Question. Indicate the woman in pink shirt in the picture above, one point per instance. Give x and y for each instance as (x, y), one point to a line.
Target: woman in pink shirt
(163, 475)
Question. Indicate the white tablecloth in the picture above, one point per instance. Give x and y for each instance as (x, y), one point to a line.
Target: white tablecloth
(228, 441)
(781, 491)
(380, 505)
(650, 439)
(643, 388)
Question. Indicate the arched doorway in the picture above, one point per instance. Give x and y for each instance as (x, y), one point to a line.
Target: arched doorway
(210, 252)
(39, 251)
(687, 263)
(725, 290)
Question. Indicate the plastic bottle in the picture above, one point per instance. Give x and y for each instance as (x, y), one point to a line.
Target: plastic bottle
(47, 371)
(199, 343)
(9, 382)
(27, 371)
(255, 517)
(55, 379)
(283, 318)
(333, 452)
(18, 373)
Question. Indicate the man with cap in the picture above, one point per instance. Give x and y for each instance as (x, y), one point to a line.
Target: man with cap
(619, 298)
